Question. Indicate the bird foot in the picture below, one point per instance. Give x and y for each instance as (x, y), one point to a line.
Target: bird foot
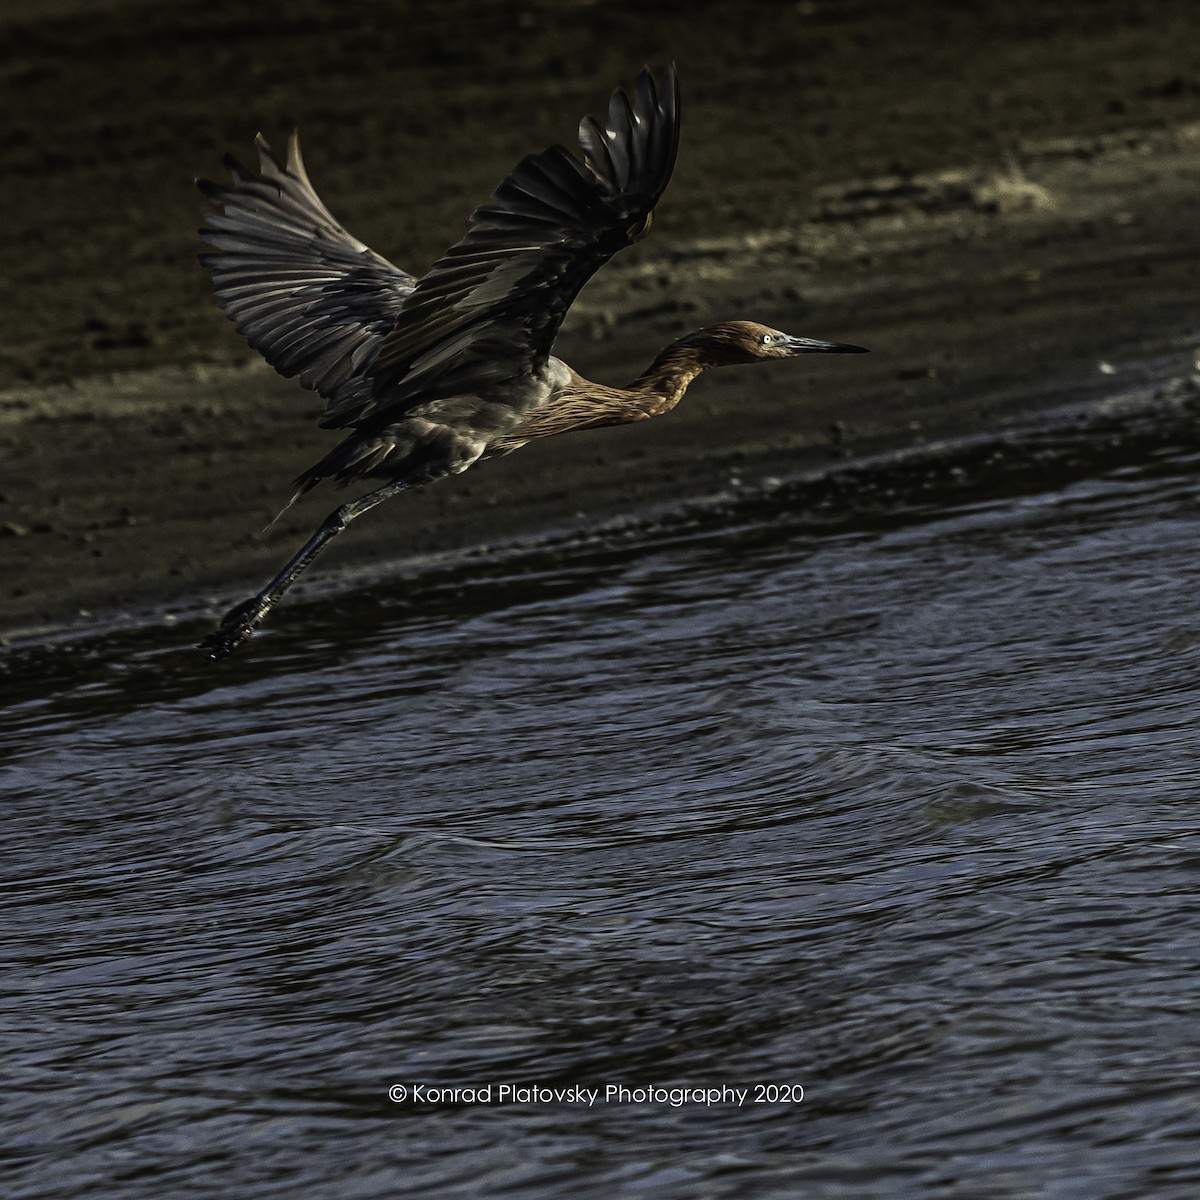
(236, 626)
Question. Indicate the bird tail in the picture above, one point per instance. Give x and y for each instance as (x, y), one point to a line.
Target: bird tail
(349, 460)
(352, 458)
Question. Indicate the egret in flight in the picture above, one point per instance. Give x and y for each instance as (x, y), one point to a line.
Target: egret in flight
(430, 375)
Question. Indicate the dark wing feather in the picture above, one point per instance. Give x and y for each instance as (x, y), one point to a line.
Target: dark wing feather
(311, 298)
(490, 308)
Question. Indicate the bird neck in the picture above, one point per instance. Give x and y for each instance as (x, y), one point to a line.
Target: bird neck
(578, 403)
(665, 380)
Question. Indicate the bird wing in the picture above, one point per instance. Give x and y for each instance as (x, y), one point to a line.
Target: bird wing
(489, 309)
(309, 296)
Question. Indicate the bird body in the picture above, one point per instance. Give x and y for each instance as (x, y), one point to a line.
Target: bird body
(431, 375)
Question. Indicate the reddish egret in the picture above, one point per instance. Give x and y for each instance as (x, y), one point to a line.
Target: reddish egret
(432, 374)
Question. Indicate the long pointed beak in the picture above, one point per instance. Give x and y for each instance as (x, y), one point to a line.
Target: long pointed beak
(801, 345)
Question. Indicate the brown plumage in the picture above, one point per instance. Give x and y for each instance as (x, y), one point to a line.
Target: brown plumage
(431, 375)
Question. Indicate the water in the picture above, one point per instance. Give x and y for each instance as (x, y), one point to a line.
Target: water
(886, 789)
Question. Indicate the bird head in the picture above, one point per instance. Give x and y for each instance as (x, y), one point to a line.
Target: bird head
(746, 341)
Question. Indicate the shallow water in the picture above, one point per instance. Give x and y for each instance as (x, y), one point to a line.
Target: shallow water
(884, 789)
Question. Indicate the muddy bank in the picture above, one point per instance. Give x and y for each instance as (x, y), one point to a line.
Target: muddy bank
(1003, 205)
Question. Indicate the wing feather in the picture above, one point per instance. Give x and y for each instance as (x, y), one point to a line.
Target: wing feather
(307, 294)
(491, 306)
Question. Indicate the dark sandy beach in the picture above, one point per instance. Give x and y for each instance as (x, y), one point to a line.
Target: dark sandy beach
(1002, 203)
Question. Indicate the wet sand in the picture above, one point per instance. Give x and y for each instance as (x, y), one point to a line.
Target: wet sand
(1004, 205)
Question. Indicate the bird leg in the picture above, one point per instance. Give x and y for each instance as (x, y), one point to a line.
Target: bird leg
(241, 620)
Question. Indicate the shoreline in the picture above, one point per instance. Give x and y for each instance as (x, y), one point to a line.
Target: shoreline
(1144, 407)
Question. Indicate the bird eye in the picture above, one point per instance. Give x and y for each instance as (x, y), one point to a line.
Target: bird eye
(766, 339)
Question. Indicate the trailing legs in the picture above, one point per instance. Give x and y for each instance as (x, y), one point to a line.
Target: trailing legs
(241, 620)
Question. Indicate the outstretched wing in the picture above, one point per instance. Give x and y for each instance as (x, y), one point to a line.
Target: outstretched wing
(489, 309)
(311, 298)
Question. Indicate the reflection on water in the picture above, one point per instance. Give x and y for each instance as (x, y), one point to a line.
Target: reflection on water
(891, 797)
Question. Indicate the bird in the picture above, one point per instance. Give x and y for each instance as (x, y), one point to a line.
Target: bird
(430, 375)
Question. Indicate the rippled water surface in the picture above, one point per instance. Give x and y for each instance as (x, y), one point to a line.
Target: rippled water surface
(893, 798)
